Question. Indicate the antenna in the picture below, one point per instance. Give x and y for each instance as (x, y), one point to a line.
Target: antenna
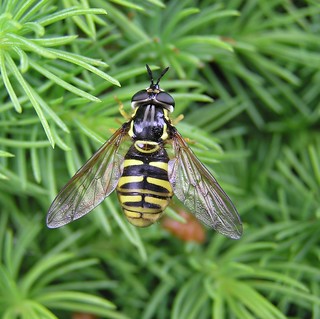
(150, 74)
(162, 74)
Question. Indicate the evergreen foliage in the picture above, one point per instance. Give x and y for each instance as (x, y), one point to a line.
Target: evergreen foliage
(245, 74)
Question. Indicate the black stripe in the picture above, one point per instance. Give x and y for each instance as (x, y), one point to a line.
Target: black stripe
(142, 204)
(137, 193)
(145, 186)
(145, 170)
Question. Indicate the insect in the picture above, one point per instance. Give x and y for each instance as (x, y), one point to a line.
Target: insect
(135, 163)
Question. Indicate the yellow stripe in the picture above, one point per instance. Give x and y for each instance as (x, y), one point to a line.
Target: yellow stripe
(140, 221)
(132, 214)
(129, 179)
(142, 146)
(142, 210)
(130, 198)
(163, 203)
(130, 132)
(130, 162)
(164, 135)
(152, 217)
(160, 182)
(142, 191)
(166, 114)
(162, 165)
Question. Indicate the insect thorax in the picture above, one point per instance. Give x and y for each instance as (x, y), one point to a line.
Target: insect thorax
(149, 123)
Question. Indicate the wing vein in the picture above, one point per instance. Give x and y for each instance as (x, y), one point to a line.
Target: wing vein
(91, 184)
(200, 192)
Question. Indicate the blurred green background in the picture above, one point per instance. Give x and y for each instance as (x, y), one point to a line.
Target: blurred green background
(245, 74)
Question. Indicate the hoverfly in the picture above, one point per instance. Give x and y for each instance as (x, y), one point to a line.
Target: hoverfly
(135, 162)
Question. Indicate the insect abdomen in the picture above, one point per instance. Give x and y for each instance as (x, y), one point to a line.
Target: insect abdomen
(144, 190)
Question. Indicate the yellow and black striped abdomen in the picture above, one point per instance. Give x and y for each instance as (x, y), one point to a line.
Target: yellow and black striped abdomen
(144, 190)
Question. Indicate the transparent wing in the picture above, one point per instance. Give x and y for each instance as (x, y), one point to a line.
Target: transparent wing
(91, 184)
(199, 191)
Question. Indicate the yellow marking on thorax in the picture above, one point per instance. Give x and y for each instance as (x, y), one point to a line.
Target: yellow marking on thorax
(166, 114)
(130, 132)
(134, 112)
(164, 135)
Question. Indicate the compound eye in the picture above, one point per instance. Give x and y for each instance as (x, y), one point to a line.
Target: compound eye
(140, 96)
(165, 98)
